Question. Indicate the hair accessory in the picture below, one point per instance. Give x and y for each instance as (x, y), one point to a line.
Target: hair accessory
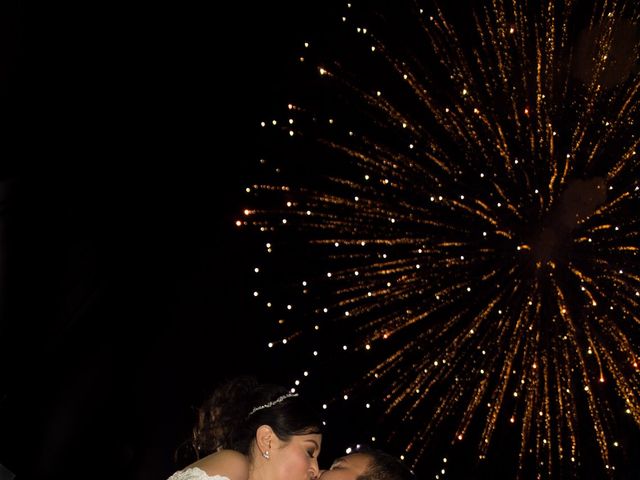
(275, 402)
(266, 454)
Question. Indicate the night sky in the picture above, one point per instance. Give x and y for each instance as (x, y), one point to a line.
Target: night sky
(129, 128)
(131, 131)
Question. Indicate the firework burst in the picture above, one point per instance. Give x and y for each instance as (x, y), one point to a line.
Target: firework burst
(463, 201)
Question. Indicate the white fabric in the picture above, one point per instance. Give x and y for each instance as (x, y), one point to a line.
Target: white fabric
(194, 474)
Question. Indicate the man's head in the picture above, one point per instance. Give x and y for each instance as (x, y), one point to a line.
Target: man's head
(367, 465)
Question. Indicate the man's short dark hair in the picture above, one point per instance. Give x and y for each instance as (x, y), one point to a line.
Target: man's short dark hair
(384, 467)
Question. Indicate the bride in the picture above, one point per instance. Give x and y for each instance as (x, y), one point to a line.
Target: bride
(256, 432)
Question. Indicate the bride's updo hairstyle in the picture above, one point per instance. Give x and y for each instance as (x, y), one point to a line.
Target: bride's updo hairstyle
(231, 416)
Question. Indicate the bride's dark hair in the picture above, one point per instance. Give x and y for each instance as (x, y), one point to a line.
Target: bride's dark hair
(229, 418)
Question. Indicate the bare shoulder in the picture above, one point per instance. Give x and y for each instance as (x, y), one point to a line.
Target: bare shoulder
(228, 463)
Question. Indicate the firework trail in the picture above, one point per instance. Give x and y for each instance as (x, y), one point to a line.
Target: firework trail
(464, 200)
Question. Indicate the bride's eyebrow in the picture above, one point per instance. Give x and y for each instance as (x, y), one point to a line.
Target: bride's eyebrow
(317, 445)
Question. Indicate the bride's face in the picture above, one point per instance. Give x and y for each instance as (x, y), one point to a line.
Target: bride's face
(296, 459)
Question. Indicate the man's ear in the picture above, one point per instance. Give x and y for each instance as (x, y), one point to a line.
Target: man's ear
(264, 439)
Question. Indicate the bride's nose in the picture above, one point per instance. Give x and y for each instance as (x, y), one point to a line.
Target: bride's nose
(315, 469)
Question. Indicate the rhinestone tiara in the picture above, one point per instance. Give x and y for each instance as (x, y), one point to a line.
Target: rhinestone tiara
(272, 403)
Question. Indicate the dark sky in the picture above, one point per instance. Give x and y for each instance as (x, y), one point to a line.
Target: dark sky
(127, 134)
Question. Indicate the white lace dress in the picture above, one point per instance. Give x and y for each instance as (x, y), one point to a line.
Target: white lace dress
(194, 474)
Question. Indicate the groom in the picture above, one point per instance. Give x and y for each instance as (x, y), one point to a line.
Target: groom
(367, 465)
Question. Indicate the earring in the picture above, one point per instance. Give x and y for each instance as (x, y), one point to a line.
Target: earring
(266, 454)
